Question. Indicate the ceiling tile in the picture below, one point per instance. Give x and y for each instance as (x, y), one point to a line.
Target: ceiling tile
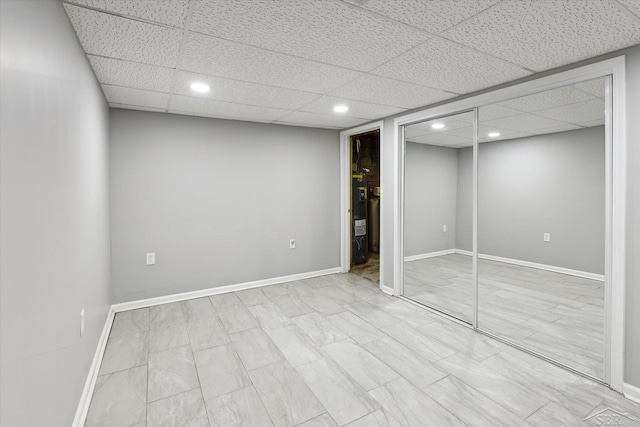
(117, 72)
(107, 35)
(495, 111)
(632, 5)
(381, 90)
(547, 99)
(592, 123)
(556, 129)
(128, 96)
(444, 65)
(450, 125)
(505, 136)
(431, 16)
(593, 87)
(540, 35)
(169, 12)
(137, 108)
(212, 108)
(325, 31)
(523, 123)
(216, 57)
(441, 140)
(359, 109)
(576, 113)
(304, 118)
(243, 92)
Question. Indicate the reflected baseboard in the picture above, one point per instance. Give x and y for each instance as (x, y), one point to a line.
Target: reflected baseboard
(429, 255)
(555, 269)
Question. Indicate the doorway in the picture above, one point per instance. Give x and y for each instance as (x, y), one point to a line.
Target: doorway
(364, 149)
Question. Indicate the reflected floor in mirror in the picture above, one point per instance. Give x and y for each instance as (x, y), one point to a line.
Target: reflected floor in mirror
(553, 314)
(327, 351)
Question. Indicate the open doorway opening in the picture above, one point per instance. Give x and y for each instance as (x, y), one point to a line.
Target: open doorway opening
(365, 204)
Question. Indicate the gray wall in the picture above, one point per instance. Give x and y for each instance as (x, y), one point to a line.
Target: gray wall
(464, 204)
(430, 198)
(218, 201)
(632, 367)
(54, 225)
(551, 183)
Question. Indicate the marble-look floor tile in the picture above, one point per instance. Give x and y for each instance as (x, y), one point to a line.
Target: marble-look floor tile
(130, 322)
(296, 347)
(406, 362)
(171, 372)
(319, 329)
(426, 347)
(184, 409)
(409, 313)
(234, 315)
(411, 407)
(241, 408)
(220, 371)
(323, 420)
(291, 305)
(368, 371)
(502, 390)
(285, 395)
(321, 303)
(163, 312)
(343, 398)
(553, 414)
(198, 308)
(255, 348)
(469, 405)
(168, 334)
(251, 297)
(377, 418)
(269, 316)
(338, 295)
(125, 352)
(119, 399)
(277, 290)
(449, 333)
(356, 328)
(372, 314)
(207, 333)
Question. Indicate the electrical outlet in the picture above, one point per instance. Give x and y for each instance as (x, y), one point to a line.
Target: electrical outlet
(546, 237)
(444, 228)
(292, 243)
(82, 322)
(151, 258)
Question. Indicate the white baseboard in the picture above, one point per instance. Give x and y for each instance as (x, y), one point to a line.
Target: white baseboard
(132, 305)
(387, 290)
(429, 255)
(631, 392)
(90, 383)
(561, 270)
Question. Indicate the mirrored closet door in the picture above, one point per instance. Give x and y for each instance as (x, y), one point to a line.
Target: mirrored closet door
(541, 208)
(438, 223)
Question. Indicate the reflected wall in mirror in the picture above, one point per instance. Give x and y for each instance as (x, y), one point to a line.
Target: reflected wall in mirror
(541, 223)
(437, 214)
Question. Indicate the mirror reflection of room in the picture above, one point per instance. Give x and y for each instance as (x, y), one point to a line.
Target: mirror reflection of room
(437, 214)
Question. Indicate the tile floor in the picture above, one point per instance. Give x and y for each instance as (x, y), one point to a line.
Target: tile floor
(326, 351)
(554, 314)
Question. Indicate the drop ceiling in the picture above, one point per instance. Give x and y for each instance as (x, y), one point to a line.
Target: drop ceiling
(291, 61)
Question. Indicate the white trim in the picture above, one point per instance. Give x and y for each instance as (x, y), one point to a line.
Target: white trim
(149, 302)
(90, 384)
(616, 280)
(429, 255)
(387, 290)
(631, 392)
(555, 269)
(345, 196)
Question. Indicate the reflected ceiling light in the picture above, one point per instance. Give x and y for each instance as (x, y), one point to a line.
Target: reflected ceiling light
(200, 87)
(494, 134)
(340, 109)
(437, 126)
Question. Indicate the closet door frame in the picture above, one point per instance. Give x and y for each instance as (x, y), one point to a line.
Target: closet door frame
(615, 251)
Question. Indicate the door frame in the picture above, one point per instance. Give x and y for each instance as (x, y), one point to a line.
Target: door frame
(615, 252)
(345, 197)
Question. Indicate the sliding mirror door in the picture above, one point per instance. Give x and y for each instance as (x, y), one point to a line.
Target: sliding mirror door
(541, 223)
(438, 222)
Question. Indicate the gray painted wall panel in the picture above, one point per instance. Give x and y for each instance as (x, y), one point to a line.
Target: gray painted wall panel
(54, 224)
(218, 201)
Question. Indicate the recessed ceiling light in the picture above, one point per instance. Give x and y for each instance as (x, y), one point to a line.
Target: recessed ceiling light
(200, 87)
(340, 108)
(437, 126)
(494, 134)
